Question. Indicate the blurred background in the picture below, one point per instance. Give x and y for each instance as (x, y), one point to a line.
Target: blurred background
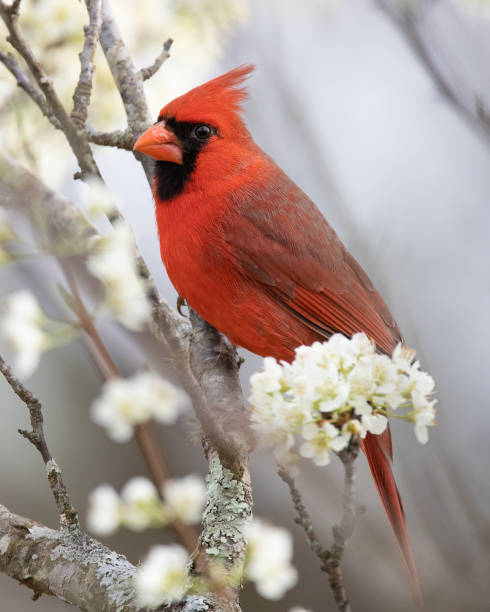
(381, 113)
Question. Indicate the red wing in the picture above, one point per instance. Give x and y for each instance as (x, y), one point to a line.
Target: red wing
(286, 246)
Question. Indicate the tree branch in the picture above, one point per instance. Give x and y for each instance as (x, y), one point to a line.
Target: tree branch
(75, 568)
(149, 71)
(67, 513)
(331, 558)
(121, 139)
(83, 89)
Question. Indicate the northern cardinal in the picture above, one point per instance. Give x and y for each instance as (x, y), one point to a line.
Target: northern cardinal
(253, 255)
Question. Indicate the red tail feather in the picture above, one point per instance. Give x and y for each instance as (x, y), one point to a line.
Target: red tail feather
(377, 451)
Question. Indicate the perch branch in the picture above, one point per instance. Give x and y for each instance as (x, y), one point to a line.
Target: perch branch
(149, 71)
(331, 558)
(67, 513)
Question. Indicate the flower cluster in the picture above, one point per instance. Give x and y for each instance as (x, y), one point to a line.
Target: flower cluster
(113, 262)
(139, 505)
(336, 389)
(163, 577)
(125, 403)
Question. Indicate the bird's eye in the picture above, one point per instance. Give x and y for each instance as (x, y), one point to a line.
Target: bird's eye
(203, 132)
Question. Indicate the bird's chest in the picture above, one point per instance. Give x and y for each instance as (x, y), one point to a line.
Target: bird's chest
(197, 259)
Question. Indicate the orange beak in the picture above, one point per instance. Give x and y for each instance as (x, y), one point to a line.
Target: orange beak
(160, 143)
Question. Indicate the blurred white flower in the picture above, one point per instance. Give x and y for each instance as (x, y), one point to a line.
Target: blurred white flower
(166, 401)
(140, 503)
(21, 326)
(269, 554)
(321, 439)
(96, 198)
(299, 609)
(113, 262)
(185, 498)
(104, 511)
(126, 402)
(163, 576)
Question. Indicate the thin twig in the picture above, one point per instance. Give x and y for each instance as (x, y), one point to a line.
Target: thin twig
(67, 513)
(31, 90)
(83, 89)
(331, 558)
(121, 139)
(149, 71)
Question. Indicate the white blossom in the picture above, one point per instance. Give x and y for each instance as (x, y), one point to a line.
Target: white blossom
(321, 439)
(269, 554)
(185, 498)
(373, 423)
(163, 576)
(423, 414)
(104, 512)
(112, 261)
(329, 381)
(140, 503)
(125, 403)
(22, 328)
(299, 609)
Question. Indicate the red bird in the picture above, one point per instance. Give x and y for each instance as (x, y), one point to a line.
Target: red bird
(253, 255)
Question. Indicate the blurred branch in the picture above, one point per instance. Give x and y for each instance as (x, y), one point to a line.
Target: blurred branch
(408, 17)
(67, 513)
(331, 558)
(149, 71)
(75, 568)
(83, 89)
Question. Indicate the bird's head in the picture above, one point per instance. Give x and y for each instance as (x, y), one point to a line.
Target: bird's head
(200, 128)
